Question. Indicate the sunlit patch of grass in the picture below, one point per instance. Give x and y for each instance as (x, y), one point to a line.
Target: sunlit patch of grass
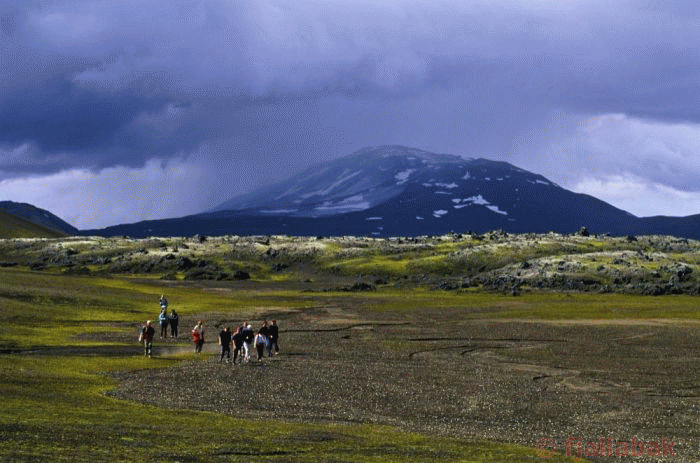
(280, 277)
(54, 310)
(545, 306)
(595, 307)
(389, 266)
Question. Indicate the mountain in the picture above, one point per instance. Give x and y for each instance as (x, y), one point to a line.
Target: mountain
(37, 218)
(357, 182)
(398, 191)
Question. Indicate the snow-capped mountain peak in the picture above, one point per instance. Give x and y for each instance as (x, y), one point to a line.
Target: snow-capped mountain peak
(366, 179)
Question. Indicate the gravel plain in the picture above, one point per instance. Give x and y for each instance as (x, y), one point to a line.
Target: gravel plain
(442, 372)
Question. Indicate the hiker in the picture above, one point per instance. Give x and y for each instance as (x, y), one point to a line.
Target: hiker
(274, 336)
(174, 321)
(265, 331)
(225, 339)
(198, 336)
(163, 320)
(248, 337)
(163, 302)
(146, 337)
(238, 339)
(260, 343)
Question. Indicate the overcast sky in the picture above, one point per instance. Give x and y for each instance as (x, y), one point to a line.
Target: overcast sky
(119, 111)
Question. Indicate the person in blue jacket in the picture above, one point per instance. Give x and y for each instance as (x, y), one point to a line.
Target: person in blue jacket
(163, 319)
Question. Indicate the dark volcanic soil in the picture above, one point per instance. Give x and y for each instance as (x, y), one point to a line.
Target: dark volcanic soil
(431, 372)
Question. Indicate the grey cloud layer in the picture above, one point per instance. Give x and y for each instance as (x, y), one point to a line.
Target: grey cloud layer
(98, 84)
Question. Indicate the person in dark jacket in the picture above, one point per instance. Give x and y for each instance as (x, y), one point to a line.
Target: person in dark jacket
(174, 322)
(265, 331)
(274, 336)
(225, 338)
(238, 340)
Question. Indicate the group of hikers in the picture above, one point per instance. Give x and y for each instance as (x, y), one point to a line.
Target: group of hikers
(165, 320)
(241, 340)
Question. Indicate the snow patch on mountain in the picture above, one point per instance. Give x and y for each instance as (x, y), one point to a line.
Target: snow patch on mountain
(478, 200)
(433, 184)
(332, 186)
(471, 200)
(496, 210)
(277, 211)
(353, 203)
(289, 192)
(403, 176)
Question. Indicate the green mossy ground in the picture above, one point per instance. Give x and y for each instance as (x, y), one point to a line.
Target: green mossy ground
(55, 407)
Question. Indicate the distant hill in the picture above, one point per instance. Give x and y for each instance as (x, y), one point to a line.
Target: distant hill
(22, 220)
(399, 191)
(15, 227)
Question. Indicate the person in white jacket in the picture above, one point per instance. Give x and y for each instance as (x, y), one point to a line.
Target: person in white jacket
(248, 337)
(260, 344)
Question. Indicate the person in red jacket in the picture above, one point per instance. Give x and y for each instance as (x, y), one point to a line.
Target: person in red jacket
(198, 336)
(146, 337)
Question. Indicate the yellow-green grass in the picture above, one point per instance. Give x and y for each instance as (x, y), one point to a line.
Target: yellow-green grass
(598, 307)
(12, 226)
(455, 258)
(544, 306)
(391, 266)
(52, 309)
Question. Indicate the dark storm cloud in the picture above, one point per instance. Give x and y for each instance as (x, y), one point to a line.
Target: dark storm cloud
(63, 117)
(209, 60)
(250, 92)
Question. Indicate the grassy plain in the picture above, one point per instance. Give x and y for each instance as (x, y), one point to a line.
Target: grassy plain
(67, 339)
(55, 407)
